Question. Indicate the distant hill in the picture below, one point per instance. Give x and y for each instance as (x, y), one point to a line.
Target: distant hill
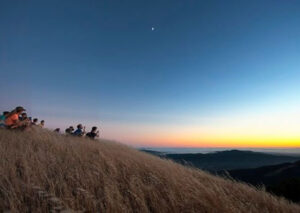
(282, 179)
(153, 152)
(41, 171)
(228, 160)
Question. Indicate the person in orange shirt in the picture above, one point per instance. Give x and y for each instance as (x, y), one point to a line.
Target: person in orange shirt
(12, 119)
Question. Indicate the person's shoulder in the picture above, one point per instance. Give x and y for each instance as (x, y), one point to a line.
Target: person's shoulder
(15, 116)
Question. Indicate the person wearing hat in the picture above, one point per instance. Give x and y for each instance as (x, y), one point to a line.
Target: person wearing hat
(12, 119)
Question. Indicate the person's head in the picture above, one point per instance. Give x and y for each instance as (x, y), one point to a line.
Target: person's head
(57, 130)
(42, 122)
(79, 126)
(19, 110)
(71, 128)
(24, 115)
(35, 120)
(5, 113)
(94, 129)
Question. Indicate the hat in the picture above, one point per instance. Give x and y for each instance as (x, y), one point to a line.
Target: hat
(20, 109)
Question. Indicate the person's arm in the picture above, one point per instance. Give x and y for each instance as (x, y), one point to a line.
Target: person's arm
(16, 121)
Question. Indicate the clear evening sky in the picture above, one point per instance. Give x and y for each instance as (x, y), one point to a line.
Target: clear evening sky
(210, 73)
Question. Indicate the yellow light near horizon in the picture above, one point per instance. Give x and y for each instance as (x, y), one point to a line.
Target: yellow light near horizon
(198, 137)
(268, 129)
(234, 141)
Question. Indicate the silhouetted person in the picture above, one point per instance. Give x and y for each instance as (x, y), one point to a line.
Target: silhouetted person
(2, 119)
(94, 133)
(57, 130)
(80, 131)
(42, 123)
(24, 121)
(35, 122)
(69, 131)
(23, 117)
(12, 118)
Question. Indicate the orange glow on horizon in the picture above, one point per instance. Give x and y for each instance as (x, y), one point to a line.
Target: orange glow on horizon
(241, 141)
(266, 130)
(208, 141)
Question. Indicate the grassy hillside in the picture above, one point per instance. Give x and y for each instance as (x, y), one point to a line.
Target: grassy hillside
(45, 172)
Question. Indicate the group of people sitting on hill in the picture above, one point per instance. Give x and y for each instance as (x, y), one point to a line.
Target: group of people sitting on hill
(18, 119)
(80, 131)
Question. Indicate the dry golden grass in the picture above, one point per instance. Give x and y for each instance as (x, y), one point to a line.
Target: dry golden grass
(41, 171)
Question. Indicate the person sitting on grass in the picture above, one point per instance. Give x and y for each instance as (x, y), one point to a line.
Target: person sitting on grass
(42, 123)
(69, 131)
(80, 131)
(23, 117)
(12, 119)
(2, 119)
(57, 130)
(35, 122)
(24, 122)
(94, 133)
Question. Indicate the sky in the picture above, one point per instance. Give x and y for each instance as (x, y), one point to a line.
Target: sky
(161, 73)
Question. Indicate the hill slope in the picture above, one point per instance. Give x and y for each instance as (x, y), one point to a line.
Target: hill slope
(268, 174)
(41, 172)
(282, 179)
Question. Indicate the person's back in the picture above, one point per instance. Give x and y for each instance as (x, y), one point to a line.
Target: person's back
(2, 119)
(34, 122)
(93, 134)
(80, 131)
(3, 116)
(42, 123)
(12, 118)
(69, 131)
(23, 117)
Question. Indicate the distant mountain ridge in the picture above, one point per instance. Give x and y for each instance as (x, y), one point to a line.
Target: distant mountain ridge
(227, 160)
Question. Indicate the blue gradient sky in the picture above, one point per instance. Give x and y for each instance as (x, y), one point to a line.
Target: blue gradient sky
(208, 68)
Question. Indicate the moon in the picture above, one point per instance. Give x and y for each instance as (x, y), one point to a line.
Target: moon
(152, 28)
